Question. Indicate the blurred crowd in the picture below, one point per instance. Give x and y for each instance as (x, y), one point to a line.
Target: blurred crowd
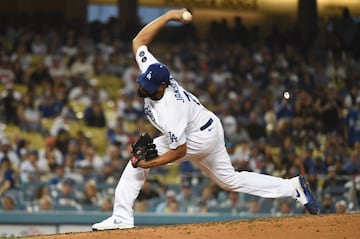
(59, 75)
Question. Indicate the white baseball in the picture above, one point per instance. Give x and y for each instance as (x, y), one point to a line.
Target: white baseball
(287, 95)
(186, 16)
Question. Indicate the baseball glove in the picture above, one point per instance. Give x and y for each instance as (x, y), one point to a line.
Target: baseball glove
(143, 149)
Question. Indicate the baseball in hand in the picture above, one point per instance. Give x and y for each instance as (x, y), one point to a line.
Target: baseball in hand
(186, 16)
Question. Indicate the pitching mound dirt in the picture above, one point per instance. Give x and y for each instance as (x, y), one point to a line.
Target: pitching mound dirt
(322, 226)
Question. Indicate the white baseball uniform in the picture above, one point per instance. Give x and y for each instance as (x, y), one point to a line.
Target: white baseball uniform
(183, 119)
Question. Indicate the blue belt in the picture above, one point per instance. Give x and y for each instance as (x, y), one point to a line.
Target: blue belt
(207, 124)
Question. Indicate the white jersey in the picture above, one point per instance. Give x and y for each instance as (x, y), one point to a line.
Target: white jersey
(178, 114)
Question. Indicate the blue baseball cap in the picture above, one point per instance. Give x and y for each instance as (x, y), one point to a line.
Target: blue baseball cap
(156, 74)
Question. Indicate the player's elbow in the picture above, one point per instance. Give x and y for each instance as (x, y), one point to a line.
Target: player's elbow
(137, 42)
(135, 45)
(181, 151)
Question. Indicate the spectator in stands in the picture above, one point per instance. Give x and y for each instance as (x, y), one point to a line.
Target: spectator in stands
(47, 164)
(21, 55)
(29, 115)
(254, 206)
(6, 73)
(232, 203)
(97, 92)
(254, 127)
(57, 68)
(129, 107)
(86, 171)
(327, 206)
(276, 137)
(107, 174)
(50, 156)
(107, 204)
(66, 194)
(81, 68)
(60, 123)
(308, 160)
(353, 165)
(74, 150)
(116, 133)
(313, 181)
(319, 166)
(113, 167)
(62, 139)
(239, 155)
(93, 158)
(174, 206)
(21, 77)
(7, 151)
(8, 176)
(257, 161)
(147, 192)
(346, 29)
(332, 179)
(94, 114)
(49, 105)
(141, 206)
(45, 204)
(43, 191)
(69, 49)
(285, 209)
(10, 99)
(8, 203)
(284, 108)
(115, 66)
(29, 171)
(40, 75)
(352, 119)
(165, 206)
(188, 171)
(90, 195)
(207, 198)
(98, 62)
(38, 46)
(340, 207)
(58, 175)
(328, 106)
(80, 92)
(187, 197)
(234, 132)
(129, 76)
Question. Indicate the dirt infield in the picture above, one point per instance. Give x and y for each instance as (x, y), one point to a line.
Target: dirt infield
(322, 226)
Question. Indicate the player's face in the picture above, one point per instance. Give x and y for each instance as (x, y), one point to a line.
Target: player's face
(144, 93)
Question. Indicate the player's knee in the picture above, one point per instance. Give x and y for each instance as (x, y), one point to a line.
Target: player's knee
(228, 184)
(233, 182)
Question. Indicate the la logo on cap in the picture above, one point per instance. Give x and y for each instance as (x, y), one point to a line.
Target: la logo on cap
(148, 76)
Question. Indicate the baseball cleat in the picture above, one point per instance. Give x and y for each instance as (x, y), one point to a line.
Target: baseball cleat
(110, 223)
(304, 195)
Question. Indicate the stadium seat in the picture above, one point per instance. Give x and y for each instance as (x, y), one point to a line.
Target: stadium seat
(219, 209)
(266, 205)
(36, 139)
(58, 207)
(111, 84)
(335, 190)
(98, 136)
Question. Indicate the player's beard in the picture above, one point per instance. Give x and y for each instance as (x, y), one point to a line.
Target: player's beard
(144, 94)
